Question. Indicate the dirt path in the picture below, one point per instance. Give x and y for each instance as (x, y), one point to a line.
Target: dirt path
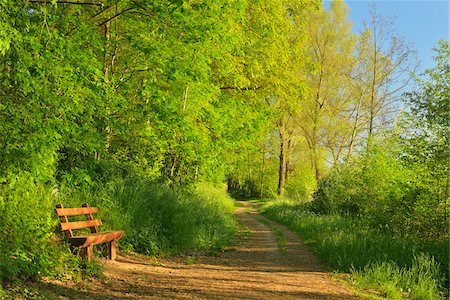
(255, 269)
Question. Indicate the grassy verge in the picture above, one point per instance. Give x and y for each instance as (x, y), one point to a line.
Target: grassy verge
(399, 268)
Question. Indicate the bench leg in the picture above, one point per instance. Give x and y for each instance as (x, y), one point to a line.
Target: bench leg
(89, 251)
(112, 250)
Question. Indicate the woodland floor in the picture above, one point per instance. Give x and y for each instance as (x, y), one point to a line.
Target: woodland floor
(256, 268)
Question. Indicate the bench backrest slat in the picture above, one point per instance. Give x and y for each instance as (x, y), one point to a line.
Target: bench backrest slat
(89, 216)
(80, 224)
(76, 211)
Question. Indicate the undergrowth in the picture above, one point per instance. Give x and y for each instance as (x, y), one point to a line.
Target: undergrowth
(399, 267)
(157, 220)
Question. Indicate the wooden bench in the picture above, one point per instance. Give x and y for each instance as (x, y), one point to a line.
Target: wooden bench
(86, 241)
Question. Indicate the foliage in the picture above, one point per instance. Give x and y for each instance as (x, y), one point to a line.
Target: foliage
(382, 190)
(156, 219)
(415, 266)
(401, 182)
(301, 184)
(29, 245)
(426, 128)
(132, 88)
(49, 95)
(330, 45)
(161, 91)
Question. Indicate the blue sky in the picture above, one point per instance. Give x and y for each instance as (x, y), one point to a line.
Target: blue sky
(421, 22)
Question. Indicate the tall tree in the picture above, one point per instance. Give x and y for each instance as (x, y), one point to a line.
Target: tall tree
(385, 62)
(331, 45)
(51, 96)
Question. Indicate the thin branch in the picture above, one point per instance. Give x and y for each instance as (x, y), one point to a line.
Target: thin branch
(115, 16)
(104, 9)
(240, 88)
(124, 80)
(65, 2)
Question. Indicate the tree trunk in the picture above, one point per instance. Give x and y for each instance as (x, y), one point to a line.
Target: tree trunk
(106, 55)
(374, 83)
(263, 163)
(316, 164)
(315, 155)
(105, 76)
(282, 170)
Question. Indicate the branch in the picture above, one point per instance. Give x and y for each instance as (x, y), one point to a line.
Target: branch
(104, 9)
(124, 80)
(65, 2)
(115, 16)
(240, 89)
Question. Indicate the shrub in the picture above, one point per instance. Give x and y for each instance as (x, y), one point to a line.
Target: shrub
(28, 245)
(386, 193)
(300, 185)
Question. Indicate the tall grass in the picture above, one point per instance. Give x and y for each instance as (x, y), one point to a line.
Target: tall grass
(412, 268)
(420, 281)
(161, 220)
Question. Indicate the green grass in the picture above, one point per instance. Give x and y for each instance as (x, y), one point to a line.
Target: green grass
(411, 268)
(162, 221)
(420, 281)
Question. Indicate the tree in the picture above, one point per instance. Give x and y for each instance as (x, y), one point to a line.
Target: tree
(385, 62)
(428, 138)
(50, 92)
(330, 47)
(270, 59)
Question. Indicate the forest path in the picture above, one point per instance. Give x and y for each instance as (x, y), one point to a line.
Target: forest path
(259, 267)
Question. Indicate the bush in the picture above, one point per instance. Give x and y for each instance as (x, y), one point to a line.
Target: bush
(366, 184)
(300, 185)
(386, 193)
(28, 245)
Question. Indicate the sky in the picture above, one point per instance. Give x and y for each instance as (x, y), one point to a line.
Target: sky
(420, 22)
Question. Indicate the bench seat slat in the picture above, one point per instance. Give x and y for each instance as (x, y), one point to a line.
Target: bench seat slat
(96, 238)
(76, 211)
(80, 224)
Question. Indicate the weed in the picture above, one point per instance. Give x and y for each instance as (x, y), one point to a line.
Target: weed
(92, 269)
(190, 260)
